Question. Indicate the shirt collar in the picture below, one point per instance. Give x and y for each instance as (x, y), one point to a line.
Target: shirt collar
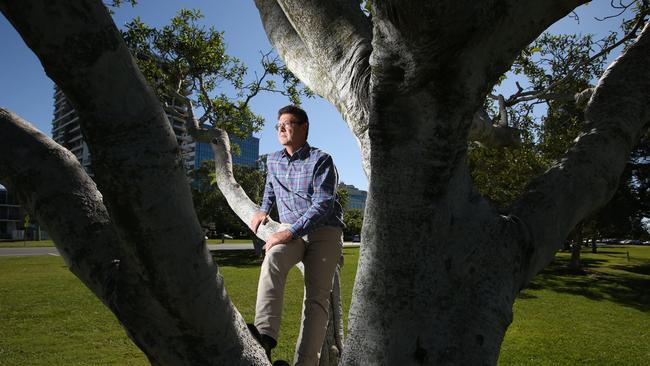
(301, 153)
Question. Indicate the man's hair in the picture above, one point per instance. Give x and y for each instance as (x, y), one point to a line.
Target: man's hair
(297, 112)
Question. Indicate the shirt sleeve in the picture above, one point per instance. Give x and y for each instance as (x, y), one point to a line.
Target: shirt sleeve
(269, 194)
(325, 180)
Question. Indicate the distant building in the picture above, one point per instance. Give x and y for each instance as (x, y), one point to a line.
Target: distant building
(357, 197)
(66, 130)
(249, 152)
(11, 216)
(14, 221)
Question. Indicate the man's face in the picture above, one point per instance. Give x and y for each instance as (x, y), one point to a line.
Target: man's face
(290, 132)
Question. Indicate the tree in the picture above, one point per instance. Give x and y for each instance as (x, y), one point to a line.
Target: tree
(439, 266)
(185, 62)
(353, 220)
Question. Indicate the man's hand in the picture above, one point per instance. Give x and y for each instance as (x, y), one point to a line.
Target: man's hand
(258, 218)
(281, 237)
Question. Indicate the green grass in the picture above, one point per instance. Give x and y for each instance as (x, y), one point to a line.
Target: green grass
(601, 317)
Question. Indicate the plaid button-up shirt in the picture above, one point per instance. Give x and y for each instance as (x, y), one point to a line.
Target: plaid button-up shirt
(304, 187)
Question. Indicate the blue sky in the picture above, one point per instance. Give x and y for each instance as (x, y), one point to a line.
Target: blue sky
(27, 91)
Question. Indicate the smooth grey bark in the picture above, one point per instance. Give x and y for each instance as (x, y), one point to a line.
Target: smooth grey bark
(439, 268)
(484, 132)
(171, 298)
(85, 236)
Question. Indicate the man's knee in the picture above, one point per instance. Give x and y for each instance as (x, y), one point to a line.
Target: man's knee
(276, 262)
(318, 295)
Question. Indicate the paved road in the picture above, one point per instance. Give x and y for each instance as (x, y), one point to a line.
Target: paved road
(26, 252)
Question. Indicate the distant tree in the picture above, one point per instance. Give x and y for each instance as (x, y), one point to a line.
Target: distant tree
(187, 65)
(557, 68)
(343, 196)
(210, 204)
(353, 220)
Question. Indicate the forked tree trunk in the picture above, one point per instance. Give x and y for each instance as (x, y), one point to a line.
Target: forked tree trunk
(439, 268)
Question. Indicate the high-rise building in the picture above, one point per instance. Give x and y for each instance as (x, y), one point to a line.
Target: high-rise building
(11, 215)
(249, 150)
(357, 197)
(66, 130)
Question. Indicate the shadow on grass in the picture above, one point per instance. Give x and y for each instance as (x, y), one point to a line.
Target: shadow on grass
(642, 269)
(236, 258)
(626, 289)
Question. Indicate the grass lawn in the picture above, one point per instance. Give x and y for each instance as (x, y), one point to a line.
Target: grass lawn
(600, 318)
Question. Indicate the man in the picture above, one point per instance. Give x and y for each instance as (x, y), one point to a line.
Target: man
(302, 182)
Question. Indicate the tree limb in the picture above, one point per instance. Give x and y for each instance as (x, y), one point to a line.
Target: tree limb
(28, 159)
(586, 178)
(337, 34)
(499, 39)
(470, 45)
(547, 93)
(484, 132)
(327, 46)
(232, 191)
(293, 50)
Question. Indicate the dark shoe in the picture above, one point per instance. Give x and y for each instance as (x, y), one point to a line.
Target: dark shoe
(267, 342)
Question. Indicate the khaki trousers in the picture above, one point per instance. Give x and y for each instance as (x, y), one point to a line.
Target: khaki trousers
(319, 252)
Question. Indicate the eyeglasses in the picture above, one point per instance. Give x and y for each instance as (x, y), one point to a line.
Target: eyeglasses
(284, 125)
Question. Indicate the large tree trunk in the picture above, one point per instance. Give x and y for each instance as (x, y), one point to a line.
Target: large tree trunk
(439, 268)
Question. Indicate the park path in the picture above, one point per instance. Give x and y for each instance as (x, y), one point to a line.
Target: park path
(26, 252)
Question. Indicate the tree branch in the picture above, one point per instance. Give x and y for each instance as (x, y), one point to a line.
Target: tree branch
(616, 116)
(547, 93)
(327, 46)
(71, 208)
(469, 44)
(293, 50)
(28, 159)
(484, 132)
(499, 40)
